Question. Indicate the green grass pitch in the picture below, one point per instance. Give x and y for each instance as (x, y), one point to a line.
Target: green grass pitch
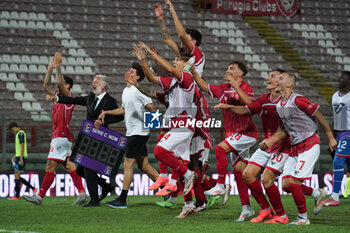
(56, 214)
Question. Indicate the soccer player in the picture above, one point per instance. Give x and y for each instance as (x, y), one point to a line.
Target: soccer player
(181, 110)
(347, 185)
(60, 148)
(191, 38)
(341, 115)
(19, 159)
(240, 131)
(299, 115)
(133, 104)
(272, 161)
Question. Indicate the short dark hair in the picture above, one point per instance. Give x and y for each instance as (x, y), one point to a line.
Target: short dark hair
(68, 80)
(12, 125)
(184, 56)
(195, 34)
(139, 71)
(347, 73)
(279, 70)
(241, 65)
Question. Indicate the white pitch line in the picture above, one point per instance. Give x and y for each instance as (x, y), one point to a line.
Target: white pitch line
(3, 230)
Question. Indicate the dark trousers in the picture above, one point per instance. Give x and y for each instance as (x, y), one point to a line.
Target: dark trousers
(92, 181)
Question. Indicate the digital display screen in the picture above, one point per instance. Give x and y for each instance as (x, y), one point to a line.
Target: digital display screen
(100, 149)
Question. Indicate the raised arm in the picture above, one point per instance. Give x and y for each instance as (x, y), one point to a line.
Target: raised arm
(202, 84)
(162, 62)
(60, 80)
(141, 56)
(186, 39)
(47, 81)
(332, 142)
(240, 110)
(158, 10)
(244, 97)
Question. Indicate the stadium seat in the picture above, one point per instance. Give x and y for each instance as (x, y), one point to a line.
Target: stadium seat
(12, 77)
(23, 68)
(19, 96)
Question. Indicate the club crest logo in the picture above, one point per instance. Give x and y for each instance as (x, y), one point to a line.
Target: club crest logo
(87, 128)
(122, 142)
(287, 7)
(78, 158)
(108, 170)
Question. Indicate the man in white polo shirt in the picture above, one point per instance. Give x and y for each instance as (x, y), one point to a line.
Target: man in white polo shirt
(133, 106)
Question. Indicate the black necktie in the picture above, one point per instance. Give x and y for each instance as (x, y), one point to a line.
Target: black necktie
(95, 102)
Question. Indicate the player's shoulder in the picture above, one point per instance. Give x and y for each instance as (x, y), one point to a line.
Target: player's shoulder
(245, 84)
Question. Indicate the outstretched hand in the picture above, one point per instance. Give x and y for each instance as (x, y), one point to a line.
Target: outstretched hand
(170, 4)
(58, 59)
(50, 98)
(230, 80)
(158, 10)
(52, 64)
(155, 51)
(101, 117)
(139, 53)
(97, 124)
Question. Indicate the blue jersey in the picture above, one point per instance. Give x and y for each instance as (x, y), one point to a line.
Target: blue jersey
(343, 149)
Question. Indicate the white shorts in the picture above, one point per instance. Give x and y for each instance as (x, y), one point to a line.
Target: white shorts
(302, 166)
(273, 161)
(204, 155)
(240, 143)
(289, 167)
(197, 145)
(178, 141)
(60, 149)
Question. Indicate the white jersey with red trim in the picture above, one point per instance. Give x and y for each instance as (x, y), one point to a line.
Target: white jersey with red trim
(297, 114)
(181, 96)
(199, 59)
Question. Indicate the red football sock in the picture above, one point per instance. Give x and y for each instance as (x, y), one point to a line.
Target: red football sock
(299, 197)
(242, 188)
(48, 180)
(275, 199)
(306, 189)
(77, 181)
(212, 182)
(221, 164)
(174, 174)
(169, 159)
(162, 168)
(206, 184)
(287, 189)
(188, 197)
(197, 187)
(258, 194)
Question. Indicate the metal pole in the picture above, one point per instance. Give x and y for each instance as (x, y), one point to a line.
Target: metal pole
(4, 134)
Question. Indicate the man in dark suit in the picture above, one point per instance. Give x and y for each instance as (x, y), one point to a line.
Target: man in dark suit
(96, 102)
